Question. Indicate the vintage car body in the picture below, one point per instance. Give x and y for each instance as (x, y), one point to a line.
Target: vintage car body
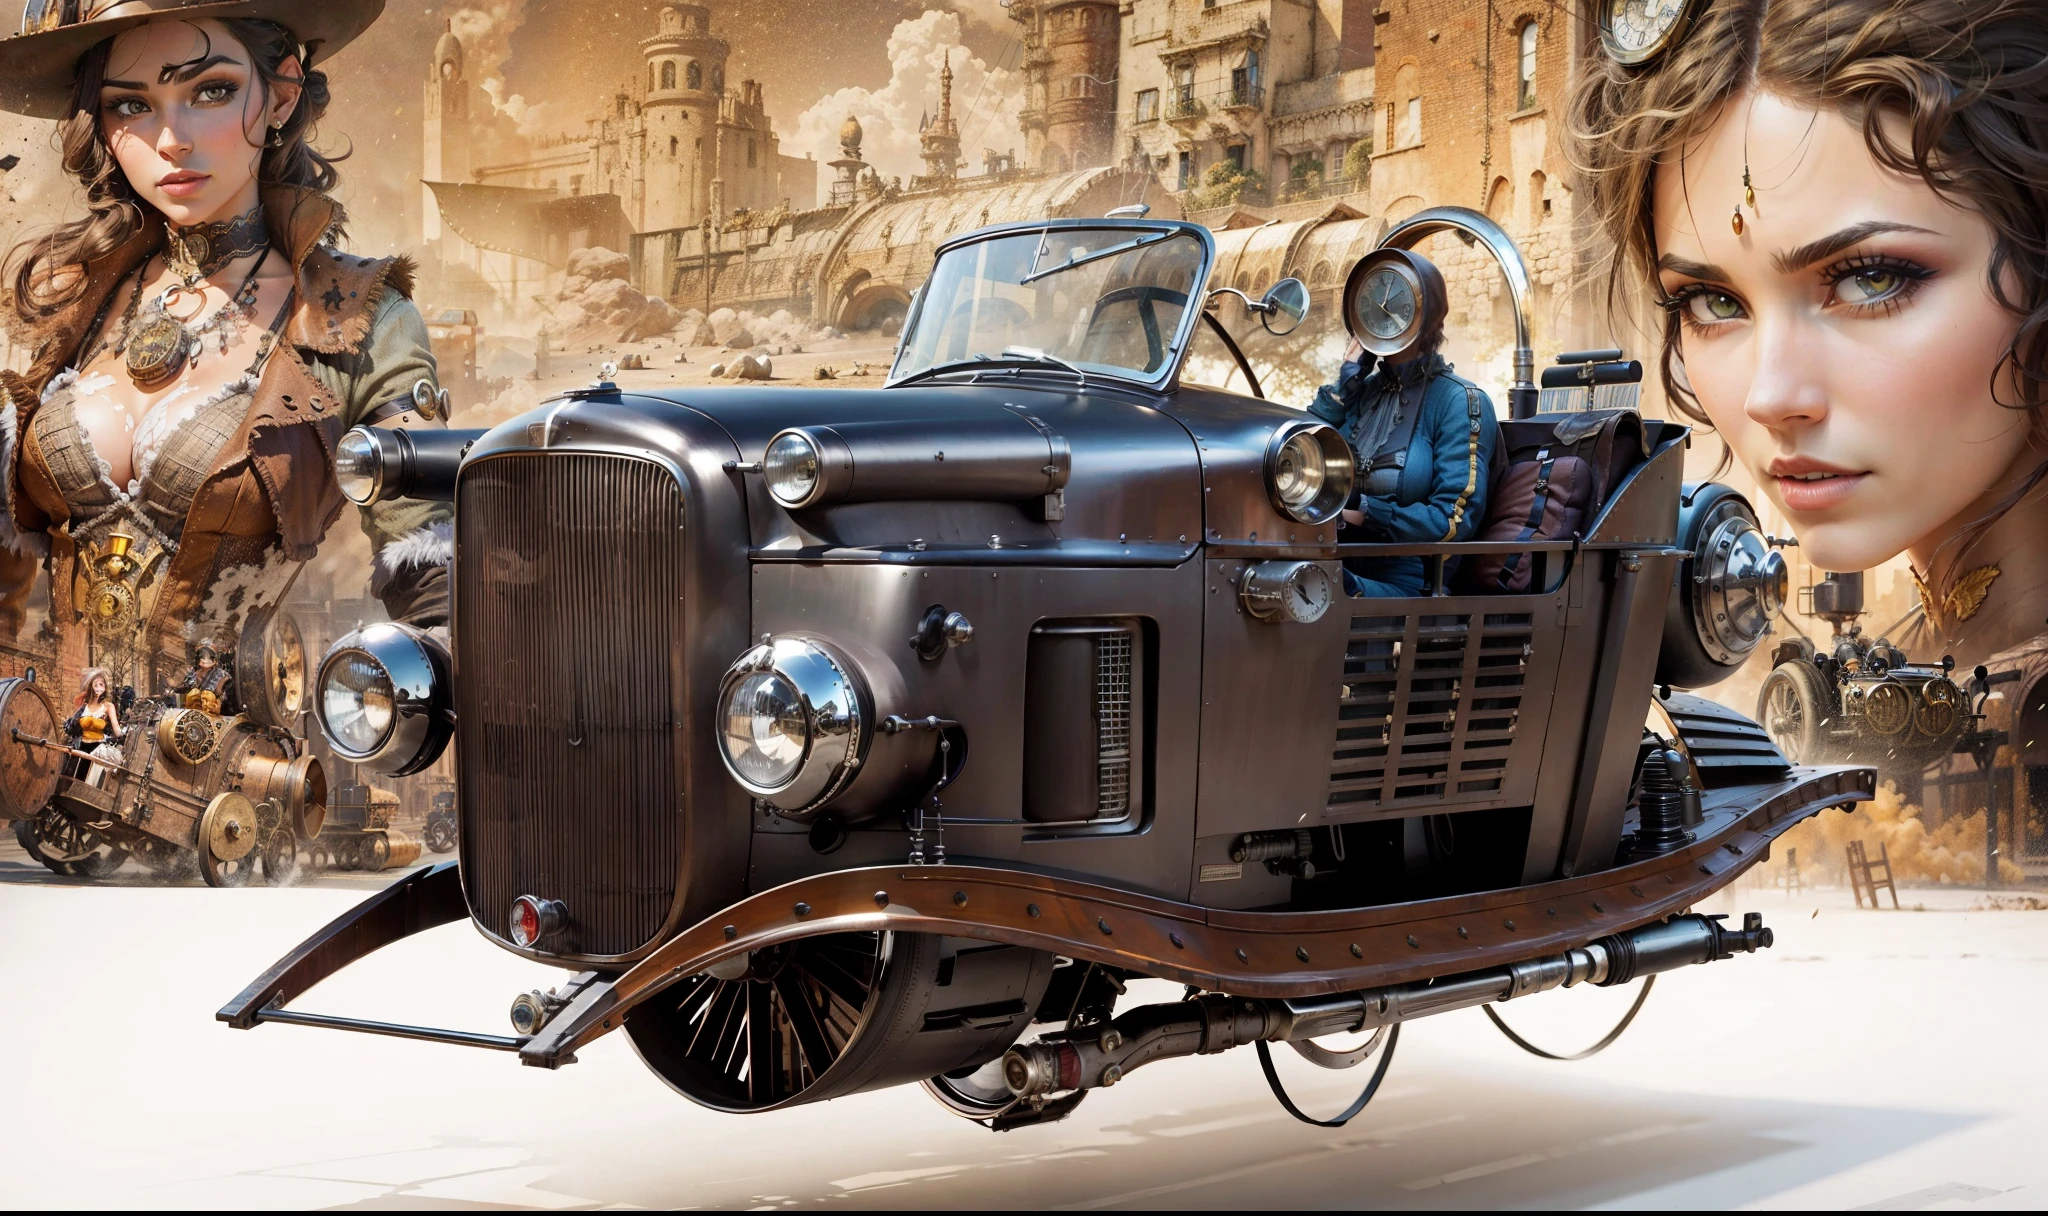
(1082, 748)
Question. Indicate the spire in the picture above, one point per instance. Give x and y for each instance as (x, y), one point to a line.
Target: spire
(946, 90)
(940, 136)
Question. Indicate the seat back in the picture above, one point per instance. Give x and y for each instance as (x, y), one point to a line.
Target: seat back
(1556, 473)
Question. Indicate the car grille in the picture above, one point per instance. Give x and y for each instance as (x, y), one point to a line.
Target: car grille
(1431, 709)
(568, 606)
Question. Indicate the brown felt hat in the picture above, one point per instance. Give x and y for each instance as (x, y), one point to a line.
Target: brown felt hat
(39, 64)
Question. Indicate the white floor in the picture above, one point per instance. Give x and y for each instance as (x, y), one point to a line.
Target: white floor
(1890, 1061)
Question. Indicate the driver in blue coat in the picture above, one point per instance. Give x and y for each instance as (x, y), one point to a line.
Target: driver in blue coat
(1425, 441)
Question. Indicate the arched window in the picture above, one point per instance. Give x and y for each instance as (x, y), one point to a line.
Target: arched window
(650, 78)
(1497, 200)
(695, 75)
(668, 73)
(1525, 72)
(718, 80)
(1539, 206)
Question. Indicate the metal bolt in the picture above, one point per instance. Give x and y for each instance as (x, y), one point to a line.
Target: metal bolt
(1110, 1040)
(1112, 1075)
(881, 899)
(803, 909)
(960, 898)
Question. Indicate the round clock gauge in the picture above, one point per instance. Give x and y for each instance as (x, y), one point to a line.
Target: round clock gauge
(1300, 592)
(1393, 298)
(1637, 31)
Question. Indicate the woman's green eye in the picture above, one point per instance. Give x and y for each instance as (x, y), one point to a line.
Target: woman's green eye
(1713, 307)
(1869, 286)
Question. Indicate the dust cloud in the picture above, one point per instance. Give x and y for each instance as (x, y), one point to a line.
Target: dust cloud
(1949, 852)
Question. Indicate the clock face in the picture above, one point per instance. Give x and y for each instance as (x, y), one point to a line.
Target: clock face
(1635, 31)
(1308, 594)
(1386, 304)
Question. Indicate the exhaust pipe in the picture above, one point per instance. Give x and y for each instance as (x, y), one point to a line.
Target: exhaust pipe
(1100, 1056)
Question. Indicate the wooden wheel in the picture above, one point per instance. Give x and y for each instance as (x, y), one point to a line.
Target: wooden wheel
(1794, 708)
(67, 847)
(28, 774)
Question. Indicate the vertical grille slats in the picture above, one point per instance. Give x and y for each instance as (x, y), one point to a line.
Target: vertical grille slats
(1113, 719)
(568, 612)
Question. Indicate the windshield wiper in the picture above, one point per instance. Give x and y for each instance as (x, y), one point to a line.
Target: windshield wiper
(1096, 256)
(978, 363)
(1038, 356)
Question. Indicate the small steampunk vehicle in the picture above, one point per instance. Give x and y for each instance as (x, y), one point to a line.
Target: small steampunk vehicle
(832, 740)
(440, 826)
(226, 787)
(361, 832)
(1858, 700)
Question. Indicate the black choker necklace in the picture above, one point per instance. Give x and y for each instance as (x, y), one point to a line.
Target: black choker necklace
(203, 249)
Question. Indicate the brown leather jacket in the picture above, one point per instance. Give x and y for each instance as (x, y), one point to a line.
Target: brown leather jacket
(354, 342)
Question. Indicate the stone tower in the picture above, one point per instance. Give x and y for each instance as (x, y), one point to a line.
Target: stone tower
(447, 134)
(685, 80)
(1070, 71)
(941, 136)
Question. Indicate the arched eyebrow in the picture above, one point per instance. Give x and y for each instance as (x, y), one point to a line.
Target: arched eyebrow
(179, 73)
(1791, 261)
(1691, 269)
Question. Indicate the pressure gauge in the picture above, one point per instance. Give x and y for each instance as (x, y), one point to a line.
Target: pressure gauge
(1392, 300)
(1300, 592)
(1637, 31)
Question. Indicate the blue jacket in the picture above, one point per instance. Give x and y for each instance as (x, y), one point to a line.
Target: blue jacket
(1442, 490)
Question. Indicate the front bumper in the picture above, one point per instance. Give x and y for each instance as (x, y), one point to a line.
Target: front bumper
(1250, 954)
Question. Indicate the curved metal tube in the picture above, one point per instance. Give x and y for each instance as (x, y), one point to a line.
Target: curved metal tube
(1409, 233)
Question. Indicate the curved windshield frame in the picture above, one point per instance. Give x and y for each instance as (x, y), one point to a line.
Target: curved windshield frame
(1112, 298)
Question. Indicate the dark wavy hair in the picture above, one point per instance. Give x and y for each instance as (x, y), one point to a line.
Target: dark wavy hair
(42, 273)
(1967, 81)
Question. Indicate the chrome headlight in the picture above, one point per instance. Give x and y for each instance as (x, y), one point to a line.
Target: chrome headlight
(794, 721)
(383, 698)
(793, 469)
(1309, 472)
(359, 466)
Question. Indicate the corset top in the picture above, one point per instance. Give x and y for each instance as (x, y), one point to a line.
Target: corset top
(176, 446)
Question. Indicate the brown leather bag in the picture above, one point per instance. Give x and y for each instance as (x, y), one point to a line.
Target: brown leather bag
(1559, 470)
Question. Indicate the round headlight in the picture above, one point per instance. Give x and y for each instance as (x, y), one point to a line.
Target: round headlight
(791, 469)
(383, 698)
(357, 701)
(765, 731)
(794, 721)
(359, 466)
(1298, 472)
(1309, 472)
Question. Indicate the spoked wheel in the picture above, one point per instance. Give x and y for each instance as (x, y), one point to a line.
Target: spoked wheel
(1793, 707)
(67, 847)
(280, 857)
(348, 855)
(441, 833)
(832, 1015)
(317, 856)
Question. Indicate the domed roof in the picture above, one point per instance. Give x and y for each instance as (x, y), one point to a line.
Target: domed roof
(850, 137)
(448, 49)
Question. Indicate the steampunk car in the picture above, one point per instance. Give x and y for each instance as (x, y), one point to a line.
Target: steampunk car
(1855, 699)
(229, 789)
(830, 740)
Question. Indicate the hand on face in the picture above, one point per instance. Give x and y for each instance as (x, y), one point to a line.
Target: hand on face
(1844, 343)
(186, 115)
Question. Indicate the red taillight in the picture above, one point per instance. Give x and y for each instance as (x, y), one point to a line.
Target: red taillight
(534, 918)
(525, 921)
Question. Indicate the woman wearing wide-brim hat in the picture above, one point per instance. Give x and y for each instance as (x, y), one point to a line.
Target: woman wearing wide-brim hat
(199, 343)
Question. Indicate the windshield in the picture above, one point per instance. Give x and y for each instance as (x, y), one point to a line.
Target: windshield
(1104, 300)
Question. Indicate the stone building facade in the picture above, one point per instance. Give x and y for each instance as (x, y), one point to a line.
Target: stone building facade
(675, 147)
(1071, 81)
(1265, 84)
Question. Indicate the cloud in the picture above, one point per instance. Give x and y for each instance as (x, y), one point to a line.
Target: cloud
(486, 33)
(986, 102)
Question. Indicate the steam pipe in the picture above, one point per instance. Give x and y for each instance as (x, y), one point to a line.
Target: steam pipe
(1407, 234)
(1095, 1056)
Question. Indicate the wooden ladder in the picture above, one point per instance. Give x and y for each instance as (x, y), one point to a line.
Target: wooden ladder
(1866, 876)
